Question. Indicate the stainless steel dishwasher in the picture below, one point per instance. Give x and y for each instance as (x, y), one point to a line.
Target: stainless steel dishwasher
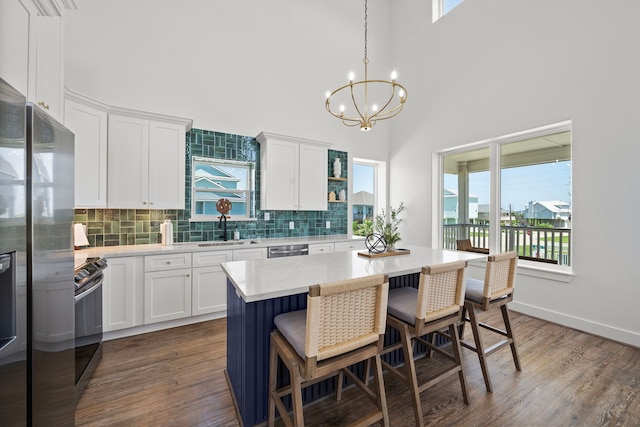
(287, 250)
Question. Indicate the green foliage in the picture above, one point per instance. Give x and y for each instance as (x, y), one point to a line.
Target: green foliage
(389, 229)
(545, 225)
(363, 228)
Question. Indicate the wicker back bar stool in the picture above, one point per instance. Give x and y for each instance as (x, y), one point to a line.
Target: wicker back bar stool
(414, 313)
(495, 291)
(344, 324)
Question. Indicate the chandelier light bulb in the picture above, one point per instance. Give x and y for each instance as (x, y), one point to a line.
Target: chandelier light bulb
(394, 75)
(342, 108)
(401, 93)
(328, 94)
(374, 107)
(351, 76)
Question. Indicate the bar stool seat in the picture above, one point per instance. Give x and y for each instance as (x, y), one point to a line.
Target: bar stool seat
(344, 324)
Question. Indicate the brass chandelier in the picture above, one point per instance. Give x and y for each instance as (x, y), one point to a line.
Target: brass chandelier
(392, 95)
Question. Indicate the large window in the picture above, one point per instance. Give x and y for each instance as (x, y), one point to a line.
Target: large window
(214, 179)
(511, 193)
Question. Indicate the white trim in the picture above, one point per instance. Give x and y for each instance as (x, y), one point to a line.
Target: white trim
(152, 327)
(606, 331)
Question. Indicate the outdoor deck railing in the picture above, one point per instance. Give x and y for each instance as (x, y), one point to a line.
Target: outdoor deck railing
(550, 245)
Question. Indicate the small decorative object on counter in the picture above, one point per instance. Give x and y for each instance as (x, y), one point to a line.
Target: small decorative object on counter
(236, 234)
(375, 243)
(342, 195)
(166, 229)
(388, 227)
(332, 196)
(337, 168)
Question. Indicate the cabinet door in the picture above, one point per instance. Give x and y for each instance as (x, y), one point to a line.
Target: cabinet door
(166, 165)
(321, 248)
(312, 193)
(50, 65)
(171, 261)
(209, 290)
(121, 293)
(280, 162)
(17, 36)
(89, 124)
(167, 295)
(128, 167)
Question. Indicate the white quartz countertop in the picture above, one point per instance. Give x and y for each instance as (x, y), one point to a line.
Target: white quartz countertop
(140, 250)
(261, 279)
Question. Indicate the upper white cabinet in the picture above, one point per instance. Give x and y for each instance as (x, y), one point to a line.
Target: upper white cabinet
(146, 163)
(49, 82)
(294, 173)
(32, 50)
(88, 121)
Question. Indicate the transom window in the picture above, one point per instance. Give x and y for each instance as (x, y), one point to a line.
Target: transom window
(214, 179)
(442, 7)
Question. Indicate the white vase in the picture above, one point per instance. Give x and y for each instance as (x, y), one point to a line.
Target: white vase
(391, 248)
(342, 195)
(337, 168)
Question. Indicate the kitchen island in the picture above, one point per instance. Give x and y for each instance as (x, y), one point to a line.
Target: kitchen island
(259, 290)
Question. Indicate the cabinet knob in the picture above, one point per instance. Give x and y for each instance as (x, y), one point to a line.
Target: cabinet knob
(168, 262)
(188, 275)
(144, 203)
(43, 105)
(150, 203)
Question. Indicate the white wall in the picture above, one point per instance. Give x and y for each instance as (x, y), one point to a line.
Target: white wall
(491, 68)
(241, 66)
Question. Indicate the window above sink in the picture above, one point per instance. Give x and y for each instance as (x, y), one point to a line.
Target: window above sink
(215, 179)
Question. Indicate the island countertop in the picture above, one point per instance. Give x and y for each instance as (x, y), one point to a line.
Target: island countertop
(261, 279)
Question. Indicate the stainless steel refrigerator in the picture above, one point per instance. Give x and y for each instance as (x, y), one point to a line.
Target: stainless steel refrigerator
(36, 266)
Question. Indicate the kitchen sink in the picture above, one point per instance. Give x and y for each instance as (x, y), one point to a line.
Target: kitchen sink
(230, 243)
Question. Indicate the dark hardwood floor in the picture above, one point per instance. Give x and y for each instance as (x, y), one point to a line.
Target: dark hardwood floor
(176, 378)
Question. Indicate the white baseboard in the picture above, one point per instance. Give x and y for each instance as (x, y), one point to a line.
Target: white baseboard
(616, 334)
(143, 329)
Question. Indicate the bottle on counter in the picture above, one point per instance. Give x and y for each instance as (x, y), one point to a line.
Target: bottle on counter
(166, 230)
(236, 234)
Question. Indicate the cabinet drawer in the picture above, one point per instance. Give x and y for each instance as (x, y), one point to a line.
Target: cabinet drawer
(244, 254)
(212, 258)
(167, 262)
(320, 248)
(349, 246)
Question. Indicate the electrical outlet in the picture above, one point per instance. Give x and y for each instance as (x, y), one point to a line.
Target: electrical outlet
(328, 224)
(292, 225)
(267, 216)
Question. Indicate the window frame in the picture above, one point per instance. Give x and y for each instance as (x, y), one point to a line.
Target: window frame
(249, 191)
(379, 185)
(494, 145)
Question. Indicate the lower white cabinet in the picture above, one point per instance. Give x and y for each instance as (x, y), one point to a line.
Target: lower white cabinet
(122, 293)
(167, 295)
(321, 248)
(209, 285)
(167, 287)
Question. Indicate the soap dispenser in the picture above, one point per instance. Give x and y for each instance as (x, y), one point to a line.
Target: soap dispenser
(236, 234)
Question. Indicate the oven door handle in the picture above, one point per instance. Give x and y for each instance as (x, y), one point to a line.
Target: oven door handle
(91, 290)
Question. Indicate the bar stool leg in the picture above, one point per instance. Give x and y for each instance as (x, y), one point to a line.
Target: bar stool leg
(480, 348)
(507, 325)
(412, 380)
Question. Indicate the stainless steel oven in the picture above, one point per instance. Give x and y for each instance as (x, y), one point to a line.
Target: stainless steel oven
(88, 307)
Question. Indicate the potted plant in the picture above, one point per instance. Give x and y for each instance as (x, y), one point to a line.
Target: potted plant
(388, 226)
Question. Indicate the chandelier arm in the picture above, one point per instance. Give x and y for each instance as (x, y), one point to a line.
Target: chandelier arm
(355, 104)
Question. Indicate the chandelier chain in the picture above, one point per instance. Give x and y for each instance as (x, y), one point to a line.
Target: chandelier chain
(365, 30)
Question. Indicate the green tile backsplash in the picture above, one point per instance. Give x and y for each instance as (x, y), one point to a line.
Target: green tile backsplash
(112, 227)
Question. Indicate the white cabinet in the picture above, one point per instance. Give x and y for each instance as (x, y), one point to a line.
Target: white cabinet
(349, 246)
(88, 122)
(145, 163)
(294, 173)
(253, 253)
(16, 35)
(122, 293)
(209, 290)
(167, 287)
(49, 87)
(321, 248)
